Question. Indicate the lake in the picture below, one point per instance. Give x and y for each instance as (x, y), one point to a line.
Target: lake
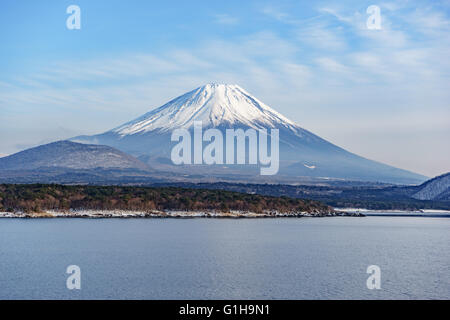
(282, 258)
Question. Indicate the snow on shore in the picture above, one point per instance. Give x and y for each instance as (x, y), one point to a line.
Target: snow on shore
(418, 213)
(157, 214)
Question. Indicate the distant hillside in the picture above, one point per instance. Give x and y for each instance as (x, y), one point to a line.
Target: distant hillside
(374, 197)
(38, 197)
(70, 155)
(435, 189)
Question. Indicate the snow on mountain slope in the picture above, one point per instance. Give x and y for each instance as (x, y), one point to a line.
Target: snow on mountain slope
(437, 188)
(214, 105)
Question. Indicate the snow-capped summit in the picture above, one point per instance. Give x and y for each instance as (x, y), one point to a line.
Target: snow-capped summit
(213, 104)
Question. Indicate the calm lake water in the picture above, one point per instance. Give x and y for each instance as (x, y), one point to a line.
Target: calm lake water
(303, 258)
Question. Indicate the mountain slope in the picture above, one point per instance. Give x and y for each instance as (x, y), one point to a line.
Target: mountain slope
(435, 189)
(220, 106)
(70, 155)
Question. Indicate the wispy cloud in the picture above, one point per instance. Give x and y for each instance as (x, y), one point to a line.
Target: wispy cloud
(286, 18)
(341, 17)
(276, 13)
(321, 36)
(226, 19)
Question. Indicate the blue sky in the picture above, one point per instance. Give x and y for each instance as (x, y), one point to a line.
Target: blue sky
(383, 94)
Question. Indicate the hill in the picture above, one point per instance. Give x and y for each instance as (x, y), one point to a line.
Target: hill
(437, 188)
(70, 155)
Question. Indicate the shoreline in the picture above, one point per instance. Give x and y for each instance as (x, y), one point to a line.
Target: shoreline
(430, 213)
(173, 214)
(124, 214)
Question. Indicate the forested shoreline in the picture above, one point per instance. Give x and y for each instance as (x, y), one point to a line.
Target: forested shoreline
(42, 197)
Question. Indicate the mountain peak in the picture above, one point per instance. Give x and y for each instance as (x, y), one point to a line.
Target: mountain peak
(214, 104)
(218, 84)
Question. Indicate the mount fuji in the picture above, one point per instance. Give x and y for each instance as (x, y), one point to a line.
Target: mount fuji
(221, 106)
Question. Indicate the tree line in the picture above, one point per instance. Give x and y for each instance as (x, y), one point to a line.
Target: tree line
(41, 197)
